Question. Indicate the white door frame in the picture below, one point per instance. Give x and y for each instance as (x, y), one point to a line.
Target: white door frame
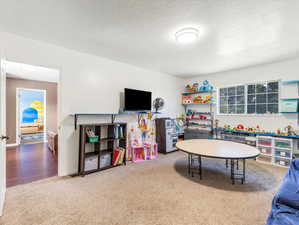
(18, 130)
(2, 132)
(3, 151)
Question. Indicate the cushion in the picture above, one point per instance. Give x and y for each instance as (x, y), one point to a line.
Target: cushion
(285, 205)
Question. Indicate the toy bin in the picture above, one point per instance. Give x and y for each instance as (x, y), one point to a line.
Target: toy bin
(105, 160)
(265, 150)
(92, 139)
(263, 158)
(283, 153)
(282, 161)
(91, 163)
(283, 143)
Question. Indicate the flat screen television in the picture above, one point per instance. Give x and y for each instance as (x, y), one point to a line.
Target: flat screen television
(136, 100)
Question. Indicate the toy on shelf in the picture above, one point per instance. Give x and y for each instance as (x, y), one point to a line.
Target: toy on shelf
(186, 99)
(240, 127)
(180, 123)
(192, 88)
(208, 99)
(287, 131)
(203, 117)
(198, 99)
(202, 99)
(290, 130)
(206, 87)
(194, 115)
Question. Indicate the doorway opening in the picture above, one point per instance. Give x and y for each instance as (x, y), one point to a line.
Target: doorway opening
(31, 123)
(31, 116)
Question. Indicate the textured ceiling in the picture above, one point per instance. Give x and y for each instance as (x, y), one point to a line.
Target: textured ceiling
(234, 33)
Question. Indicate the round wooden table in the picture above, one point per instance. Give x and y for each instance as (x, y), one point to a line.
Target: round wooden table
(227, 150)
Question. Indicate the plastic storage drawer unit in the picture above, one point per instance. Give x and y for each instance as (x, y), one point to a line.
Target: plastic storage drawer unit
(263, 158)
(282, 161)
(283, 143)
(265, 141)
(265, 150)
(283, 153)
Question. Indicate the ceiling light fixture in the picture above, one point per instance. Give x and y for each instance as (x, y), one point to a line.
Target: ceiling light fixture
(186, 35)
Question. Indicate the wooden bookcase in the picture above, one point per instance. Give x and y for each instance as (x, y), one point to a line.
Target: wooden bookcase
(97, 156)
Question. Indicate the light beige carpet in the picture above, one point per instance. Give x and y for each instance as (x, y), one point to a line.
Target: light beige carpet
(153, 192)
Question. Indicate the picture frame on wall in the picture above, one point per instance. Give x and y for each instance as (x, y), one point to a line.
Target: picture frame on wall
(289, 106)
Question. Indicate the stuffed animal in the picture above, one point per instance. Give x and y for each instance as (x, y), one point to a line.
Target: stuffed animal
(206, 86)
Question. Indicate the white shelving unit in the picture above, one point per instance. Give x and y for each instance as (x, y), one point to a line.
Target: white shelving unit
(276, 151)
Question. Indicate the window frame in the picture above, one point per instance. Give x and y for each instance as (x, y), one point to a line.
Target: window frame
(246, 99)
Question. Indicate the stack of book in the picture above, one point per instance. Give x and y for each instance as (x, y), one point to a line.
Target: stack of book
(119, 131)
(118, 156)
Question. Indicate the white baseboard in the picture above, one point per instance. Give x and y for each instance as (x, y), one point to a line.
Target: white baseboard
(12, 145)
(2, 200)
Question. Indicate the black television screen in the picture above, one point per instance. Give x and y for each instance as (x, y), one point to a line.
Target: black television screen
(136, 100)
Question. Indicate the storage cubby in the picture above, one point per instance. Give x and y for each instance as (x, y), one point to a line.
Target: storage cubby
(283, 153)
(274, 150)
(263, 141)
(96, 150)
(265, 159)
(282, 161)
(283, 143)
(265, 150)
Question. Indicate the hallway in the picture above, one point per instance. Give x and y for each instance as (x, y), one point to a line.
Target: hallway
(30, 162)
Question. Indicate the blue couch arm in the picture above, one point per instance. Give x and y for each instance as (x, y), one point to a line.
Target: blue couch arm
(285, 204)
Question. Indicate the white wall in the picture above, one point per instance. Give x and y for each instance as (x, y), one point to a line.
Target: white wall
(88, 84)
(284, 70)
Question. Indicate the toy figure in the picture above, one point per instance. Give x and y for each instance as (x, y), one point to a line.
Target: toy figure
(289, 130)
(257, 128)
(240, 127)
(188, 88)
(150, 115)
(195, 87)
(206, 86)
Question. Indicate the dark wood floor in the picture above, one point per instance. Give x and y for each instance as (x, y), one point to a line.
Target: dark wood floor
(28, 163)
